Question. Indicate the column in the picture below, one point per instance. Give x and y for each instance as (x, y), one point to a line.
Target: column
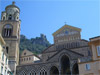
(71, 69)
(60, 69)
(59, 72)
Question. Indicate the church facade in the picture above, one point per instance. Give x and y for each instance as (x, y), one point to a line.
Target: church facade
(61, 58)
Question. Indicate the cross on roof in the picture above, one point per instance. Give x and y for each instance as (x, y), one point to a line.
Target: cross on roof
(13, 3)
(65, 22)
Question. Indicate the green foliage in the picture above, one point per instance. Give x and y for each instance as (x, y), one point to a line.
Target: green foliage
(35, 45)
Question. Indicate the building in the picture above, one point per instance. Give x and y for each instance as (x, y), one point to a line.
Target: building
(10, 30)
(92, 65)
(4, 67)
(28, 57)
(61, 57)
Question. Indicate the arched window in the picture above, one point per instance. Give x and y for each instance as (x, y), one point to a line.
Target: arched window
(7, 49)
(3, 18)
(17, 17)
(89, 53)
(10, 17)
(7, 32)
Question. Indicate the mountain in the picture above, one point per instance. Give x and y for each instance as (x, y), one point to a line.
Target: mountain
(35, 45)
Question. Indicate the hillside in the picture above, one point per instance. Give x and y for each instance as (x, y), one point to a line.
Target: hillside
(36, 45)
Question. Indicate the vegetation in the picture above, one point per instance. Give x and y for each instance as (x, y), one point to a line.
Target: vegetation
(35, 45)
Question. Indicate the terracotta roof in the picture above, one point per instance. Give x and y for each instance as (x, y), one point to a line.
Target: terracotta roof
(94, 37)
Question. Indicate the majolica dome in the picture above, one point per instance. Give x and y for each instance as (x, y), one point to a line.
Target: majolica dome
(12, 6)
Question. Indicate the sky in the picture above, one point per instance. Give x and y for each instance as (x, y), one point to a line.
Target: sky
(47, 16)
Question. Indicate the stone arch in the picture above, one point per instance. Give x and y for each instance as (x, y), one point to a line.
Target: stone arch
(7, 30)
(43, 71)
(32, 72)
(10, 17)
(65, 65)
(23, 73)
(4, 17)
(75, 69)
(54, 70)
(64, 61)
(65, 53)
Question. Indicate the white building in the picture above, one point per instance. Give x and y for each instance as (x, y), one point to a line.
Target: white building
(4, 68)
(28, 57)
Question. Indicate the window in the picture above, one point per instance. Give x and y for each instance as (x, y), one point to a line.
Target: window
(17, 17)
(29, 58)
(10, 17)
(3, 56)
(7, 49)
(24, 59)
(25, 53)
(5, 72)
(7, 31)
(6, 60)
(3, 18)
(87, 66)
(2, 70)
(89, 53)
(98, 50)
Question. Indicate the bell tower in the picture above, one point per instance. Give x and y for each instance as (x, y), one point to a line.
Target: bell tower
(10, 30)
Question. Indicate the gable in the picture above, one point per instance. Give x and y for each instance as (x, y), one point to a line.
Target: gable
(26, 53)
(66, 30)
(73, 55)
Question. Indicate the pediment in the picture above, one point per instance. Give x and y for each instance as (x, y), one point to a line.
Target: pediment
(26, 53)
(66, 30)
(71, 54)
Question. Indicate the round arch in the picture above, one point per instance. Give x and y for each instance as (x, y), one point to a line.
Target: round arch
(64, 54)
(75, 69)
(65, 64)
(32, 72)
(23, 73)
(43, 72)
(7, 30)
(54, 70)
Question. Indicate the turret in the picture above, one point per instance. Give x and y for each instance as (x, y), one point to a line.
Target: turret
(11, 12)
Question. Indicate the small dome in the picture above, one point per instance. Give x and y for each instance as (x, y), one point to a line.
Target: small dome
(12, 5)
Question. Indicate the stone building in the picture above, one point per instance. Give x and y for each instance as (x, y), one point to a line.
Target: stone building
(91, 65)
(60, 58)
(10, 30)
(28, 57)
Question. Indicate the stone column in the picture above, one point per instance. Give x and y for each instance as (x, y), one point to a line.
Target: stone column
(59, 72)
(48, 73)
(71, 67)
(60, 69)
(71, 70)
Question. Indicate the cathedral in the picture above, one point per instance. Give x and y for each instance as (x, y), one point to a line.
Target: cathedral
(61, 58)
